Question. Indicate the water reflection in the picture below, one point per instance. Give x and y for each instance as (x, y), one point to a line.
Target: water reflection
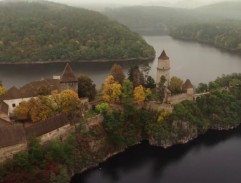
(144, 163)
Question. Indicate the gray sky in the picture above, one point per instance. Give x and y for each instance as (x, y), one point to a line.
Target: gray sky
(138, 1)
(172, 3)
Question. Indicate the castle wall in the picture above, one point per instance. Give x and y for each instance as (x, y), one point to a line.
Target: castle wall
(11, 148)
(179, 98)
(58, 134)
(10, 151)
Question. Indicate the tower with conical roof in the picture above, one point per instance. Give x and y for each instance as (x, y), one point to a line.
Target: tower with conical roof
(163, 68)
(68, 80)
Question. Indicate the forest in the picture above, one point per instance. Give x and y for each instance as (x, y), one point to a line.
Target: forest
(44, 31)
(222, 34)
(217, 24)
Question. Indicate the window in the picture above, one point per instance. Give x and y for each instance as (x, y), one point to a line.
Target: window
(13, 105)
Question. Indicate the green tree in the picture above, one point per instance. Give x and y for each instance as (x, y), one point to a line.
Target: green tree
(150, 82)
(127, 89)
(175, 85)
(86, 87)
(161, 89)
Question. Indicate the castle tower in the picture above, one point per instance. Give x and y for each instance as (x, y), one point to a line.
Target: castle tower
(163, 68)
(68, 80)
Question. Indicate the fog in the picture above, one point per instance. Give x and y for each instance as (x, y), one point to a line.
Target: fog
(169, 3)
(109, 3)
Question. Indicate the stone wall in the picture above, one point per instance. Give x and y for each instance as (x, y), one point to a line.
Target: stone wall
(179, 98)
(10, 151)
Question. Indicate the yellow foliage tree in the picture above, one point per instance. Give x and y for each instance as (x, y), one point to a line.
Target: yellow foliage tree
(139, 95)
(163, 115)
(2, 90)
(111, 90)
(41, 108)
(22, 111)
(68, 101)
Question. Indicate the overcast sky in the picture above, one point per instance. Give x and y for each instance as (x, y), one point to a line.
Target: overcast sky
(138, 1)
(172, 3)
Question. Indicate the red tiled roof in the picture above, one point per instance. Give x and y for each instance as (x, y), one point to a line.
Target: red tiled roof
(163, 56)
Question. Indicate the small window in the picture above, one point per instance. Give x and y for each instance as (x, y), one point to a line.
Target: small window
(13, 105)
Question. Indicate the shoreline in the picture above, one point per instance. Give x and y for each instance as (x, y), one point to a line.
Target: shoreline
(233, 51)
(153, 144)
(80, 61)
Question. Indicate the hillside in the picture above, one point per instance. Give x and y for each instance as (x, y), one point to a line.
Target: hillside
(225, 10)
(154, 20)
(50, 32)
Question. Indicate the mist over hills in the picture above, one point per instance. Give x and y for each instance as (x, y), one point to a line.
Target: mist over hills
(158, 20)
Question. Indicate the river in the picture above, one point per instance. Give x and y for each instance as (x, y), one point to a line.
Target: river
(189, 60)
(211, 158)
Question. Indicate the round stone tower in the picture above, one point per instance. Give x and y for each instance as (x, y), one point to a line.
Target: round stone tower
(163, 68)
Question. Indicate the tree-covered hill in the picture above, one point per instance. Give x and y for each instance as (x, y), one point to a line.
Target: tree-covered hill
(224, 10)
(225, 34)
(43, 31)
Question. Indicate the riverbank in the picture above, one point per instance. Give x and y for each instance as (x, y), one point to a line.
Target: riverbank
(234, 51)
(80, 61)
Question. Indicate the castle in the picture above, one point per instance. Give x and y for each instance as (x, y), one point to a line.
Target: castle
(14, 96)
(163, 69)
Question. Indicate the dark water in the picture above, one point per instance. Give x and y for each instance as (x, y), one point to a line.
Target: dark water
(212, 158)
(200, 63)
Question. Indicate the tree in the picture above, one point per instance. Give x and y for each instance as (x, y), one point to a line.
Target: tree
(139, 94)
(145, 68)
(2, 90)
(150, 82)
(175, 85)
(161, 88)
(22, 111)
(102, 108)
(111, 90)
(41, 108)
(86, 88)
(136, 76)
(68, 101)
(202, 87)
(127, 89)
(118, 73)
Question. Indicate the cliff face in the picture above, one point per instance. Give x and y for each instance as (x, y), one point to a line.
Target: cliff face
(181, 133)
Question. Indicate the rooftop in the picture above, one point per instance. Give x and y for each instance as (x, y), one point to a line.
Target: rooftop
(163, 56)
(68, 75)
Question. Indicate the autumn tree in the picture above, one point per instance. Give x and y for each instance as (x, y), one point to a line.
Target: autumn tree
(111, 90)
(136, 76)
(22, 111)
(86, 87)
(42, 108)
(175, 85)
(139, 94)
(68, 101)
(2, 90)
(118, 73)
